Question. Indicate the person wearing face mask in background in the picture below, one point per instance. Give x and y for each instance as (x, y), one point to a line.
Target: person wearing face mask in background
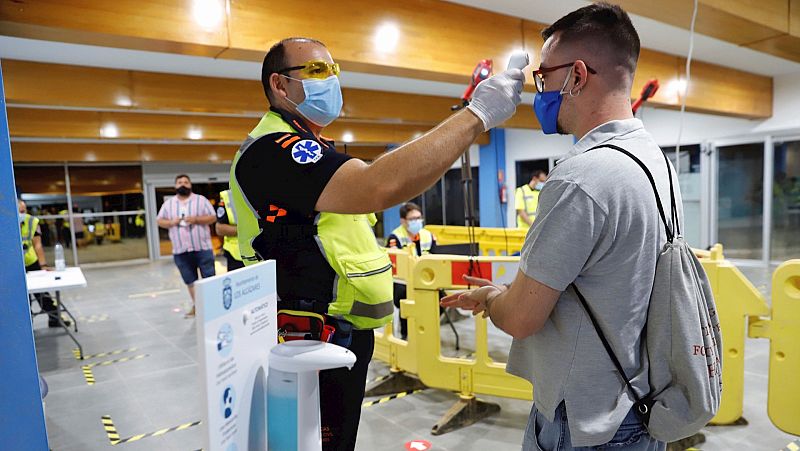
(310, 208)
(410, 232)
(527, 199)
(187, 216)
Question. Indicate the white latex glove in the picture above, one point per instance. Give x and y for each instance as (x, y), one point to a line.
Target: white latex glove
(495, 99)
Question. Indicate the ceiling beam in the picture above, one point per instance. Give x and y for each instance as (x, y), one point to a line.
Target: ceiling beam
(66, 125)
(59, 85)
(769, 26)
(436, 40)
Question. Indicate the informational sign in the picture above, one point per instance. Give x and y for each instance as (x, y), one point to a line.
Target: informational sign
(237, 327)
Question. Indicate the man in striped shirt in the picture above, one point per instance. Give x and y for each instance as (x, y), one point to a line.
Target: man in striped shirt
(187, 216)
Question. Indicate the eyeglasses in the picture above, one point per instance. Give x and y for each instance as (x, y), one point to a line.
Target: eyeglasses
(539, 79)
(315, 69)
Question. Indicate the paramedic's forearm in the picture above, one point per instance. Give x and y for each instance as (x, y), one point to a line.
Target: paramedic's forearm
(402, 173)
(524, 215)
(225, 229)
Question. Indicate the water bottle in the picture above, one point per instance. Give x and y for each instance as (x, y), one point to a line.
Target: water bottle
(60, 263)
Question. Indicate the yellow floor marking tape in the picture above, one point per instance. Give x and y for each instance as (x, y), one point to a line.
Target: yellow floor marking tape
(77, 353)
(88, 375)
(111, 362)
(113, 436)
(389, 398)
(94, 318)
(111, 430)
(152, 294)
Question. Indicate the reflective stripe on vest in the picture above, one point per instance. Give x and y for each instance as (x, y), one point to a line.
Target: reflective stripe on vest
(425, 238)
(362, 292)
(230, 243)
(27, 229)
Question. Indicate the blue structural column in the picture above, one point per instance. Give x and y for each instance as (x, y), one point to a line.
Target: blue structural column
(492, 161)
(391, 220)
(22, 424)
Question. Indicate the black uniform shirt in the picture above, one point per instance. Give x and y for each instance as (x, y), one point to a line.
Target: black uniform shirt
(282, 175)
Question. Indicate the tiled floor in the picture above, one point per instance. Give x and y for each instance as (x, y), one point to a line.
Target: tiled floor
(162, 389)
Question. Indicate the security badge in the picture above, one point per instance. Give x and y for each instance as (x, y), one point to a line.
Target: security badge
(306, 151)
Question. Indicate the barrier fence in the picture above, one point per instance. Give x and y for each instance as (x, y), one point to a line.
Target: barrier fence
(418, 362)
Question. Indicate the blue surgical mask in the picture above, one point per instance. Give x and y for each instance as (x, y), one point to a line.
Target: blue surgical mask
(323, 100)
(414, 226)
(547, 104)
(539, 186)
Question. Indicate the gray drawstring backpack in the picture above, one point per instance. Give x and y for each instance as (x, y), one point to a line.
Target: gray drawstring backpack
(682, 337)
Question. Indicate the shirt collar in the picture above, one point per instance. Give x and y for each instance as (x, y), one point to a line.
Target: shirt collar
(300, 124)
(602, 134)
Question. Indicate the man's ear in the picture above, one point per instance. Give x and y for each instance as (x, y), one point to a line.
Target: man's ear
(579, 76)
(277, 84)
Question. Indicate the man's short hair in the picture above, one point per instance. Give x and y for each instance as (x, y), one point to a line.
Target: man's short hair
(275, 61)
(407, 208)
(180, 176)
(538, 172)
(601, 24)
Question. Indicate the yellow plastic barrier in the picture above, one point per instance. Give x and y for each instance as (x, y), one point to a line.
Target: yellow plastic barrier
(783, 331)
(492, 241)
(401, 355)
(466, 376)
(737, 300)
(113, 232)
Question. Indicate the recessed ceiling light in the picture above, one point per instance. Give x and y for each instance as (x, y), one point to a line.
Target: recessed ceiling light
(207, 13)
(347, 137)
(386, 38)
(109, 130)
(195, 133)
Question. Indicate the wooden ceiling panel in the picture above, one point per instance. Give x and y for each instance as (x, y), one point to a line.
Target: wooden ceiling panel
(156, 91)
(43, 123)
(187, 152)
(712, 90)
(53, 123)
(59, 84)
(737, 21)
(48, 152)
(659, 66)
(437, 40)
(159, 25)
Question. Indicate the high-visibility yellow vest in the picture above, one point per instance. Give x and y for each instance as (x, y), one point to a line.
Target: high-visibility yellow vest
(28, 228)
(230, 243)
(425, 239)
(363, 293)
(526, 199)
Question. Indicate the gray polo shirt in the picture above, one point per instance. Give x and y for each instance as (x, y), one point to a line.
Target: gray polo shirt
(597, 225)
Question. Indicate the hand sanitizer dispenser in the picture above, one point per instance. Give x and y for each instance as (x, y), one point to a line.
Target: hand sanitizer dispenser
(293, 392)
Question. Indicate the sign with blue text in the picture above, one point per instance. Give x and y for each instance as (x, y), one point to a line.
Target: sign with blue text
(236, 328)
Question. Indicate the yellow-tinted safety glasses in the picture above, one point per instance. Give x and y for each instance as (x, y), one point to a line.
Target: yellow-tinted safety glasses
(315, 69)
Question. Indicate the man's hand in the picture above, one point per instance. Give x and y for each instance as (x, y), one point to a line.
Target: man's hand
(190, 219)
(480, 282)
(475, 300)
(495, 99)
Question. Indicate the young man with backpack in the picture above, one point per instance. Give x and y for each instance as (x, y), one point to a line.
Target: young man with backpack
(589, 309)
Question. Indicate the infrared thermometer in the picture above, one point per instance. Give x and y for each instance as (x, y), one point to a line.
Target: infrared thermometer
(519, 60)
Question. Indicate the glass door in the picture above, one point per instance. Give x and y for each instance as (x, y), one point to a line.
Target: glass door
(740, 200)
(160, 193)
(785, 237)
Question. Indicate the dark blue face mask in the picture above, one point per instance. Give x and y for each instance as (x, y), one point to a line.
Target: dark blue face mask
(547, 104)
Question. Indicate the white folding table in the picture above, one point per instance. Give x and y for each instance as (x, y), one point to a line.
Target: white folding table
(46, 281)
